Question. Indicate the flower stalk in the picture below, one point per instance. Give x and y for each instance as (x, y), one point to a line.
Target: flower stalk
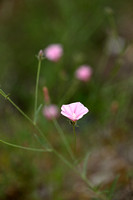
(25, 148)
(75, 138)
(36, 90)
(62, 135)
(74, 112)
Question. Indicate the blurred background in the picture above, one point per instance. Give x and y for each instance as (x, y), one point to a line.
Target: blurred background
(97, 33)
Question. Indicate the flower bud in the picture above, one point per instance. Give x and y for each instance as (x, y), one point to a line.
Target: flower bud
(40, 55)
(46, 95)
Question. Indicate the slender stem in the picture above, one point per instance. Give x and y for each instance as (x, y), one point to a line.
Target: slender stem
(112, 22)
(22, 147)
(26, 116)
(75, 139)
(69, 164)
(44, 137)
(36, 90)
(117, 64)
(62, 135)
(8, 98)
(84, 178)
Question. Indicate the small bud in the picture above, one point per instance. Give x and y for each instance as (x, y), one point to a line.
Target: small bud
(114, 107)
(40, 55)
(46, 95)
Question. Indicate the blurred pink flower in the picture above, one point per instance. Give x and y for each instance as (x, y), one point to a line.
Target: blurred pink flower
(84, 73)
(53, 52)
(74, 111)
(50, 111)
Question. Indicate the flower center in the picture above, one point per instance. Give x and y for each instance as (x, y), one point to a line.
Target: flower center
(74, 116)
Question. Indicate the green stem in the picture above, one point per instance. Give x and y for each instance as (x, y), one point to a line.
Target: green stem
(112, 22)
(8, 98)
(117, 64)
(75, 139)
(44, 137)
(84, 178)
(21, 147)
(71, 166)
(26, 116)
(36, 90)
(62, 135)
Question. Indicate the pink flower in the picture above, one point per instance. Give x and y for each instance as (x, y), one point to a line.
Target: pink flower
(53, 52)
(84, 73)
(50, 111)
(74, 111)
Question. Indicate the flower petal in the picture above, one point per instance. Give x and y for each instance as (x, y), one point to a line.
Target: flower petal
(73, 107)
(66, 109)
(67, 115)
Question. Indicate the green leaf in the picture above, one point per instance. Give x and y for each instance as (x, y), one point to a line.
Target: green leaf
(113, 187)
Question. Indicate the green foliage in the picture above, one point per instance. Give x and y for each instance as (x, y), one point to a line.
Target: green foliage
(83, 28)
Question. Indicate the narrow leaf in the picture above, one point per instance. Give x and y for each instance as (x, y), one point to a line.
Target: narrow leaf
(113, 187)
